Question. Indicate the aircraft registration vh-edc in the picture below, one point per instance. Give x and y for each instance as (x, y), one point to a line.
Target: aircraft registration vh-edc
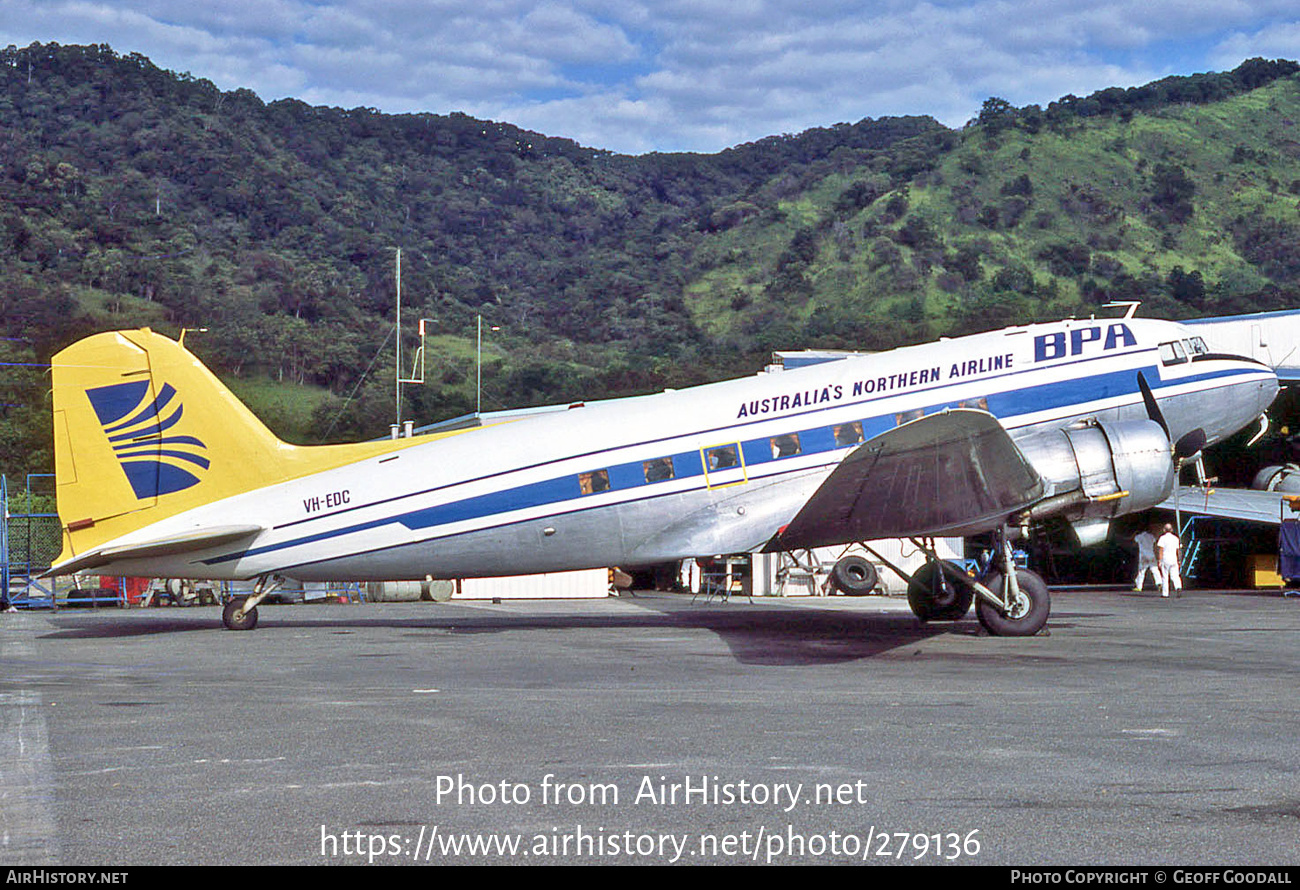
(161, 471)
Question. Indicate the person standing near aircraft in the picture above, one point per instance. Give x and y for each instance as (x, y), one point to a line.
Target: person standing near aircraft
(1146, 545)
(1167, 547)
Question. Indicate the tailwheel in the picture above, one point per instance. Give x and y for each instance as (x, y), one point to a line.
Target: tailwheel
(939, 591)
(235, 617)
(241, 612)
(1029, 605)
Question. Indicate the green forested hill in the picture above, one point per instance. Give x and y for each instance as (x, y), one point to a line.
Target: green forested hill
(131, 195)
(1182, 194)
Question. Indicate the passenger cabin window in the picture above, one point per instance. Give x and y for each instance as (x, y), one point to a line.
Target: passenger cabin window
(785, 446)
(659, 469)
(723, 457)
(594, 483)
(1172, 353)
(848, 434)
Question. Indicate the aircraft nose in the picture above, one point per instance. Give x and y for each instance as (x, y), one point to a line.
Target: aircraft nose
(1251, 399)
(1266, 393)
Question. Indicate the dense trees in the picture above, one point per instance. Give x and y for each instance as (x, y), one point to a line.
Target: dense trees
(998, 114)
(131, 195)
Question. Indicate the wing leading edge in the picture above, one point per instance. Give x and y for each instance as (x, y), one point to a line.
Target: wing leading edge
(185, 542)
(1268, 507)
(951, 473)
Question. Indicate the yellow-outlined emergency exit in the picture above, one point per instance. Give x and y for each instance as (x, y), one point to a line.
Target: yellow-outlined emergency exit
(724, 465)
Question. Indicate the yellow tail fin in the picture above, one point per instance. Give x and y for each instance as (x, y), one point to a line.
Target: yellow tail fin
(143, 431)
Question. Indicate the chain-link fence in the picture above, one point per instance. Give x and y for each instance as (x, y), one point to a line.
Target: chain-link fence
(29, 544)
(34, 542)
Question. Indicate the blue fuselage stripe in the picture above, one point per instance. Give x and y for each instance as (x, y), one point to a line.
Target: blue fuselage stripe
(631, 475)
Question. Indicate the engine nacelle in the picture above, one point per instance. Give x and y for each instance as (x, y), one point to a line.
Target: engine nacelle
(1285, 479)
(1100, 470)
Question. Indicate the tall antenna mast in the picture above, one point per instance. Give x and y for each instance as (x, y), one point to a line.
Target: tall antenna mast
(397, 365)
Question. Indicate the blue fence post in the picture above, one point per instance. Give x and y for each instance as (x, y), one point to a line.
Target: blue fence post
(38, 531)
(4, 537)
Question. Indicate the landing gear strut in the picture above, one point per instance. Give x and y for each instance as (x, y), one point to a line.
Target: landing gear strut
(1023, 608)
(1009, 601)
(1013, 602)
(241, 612)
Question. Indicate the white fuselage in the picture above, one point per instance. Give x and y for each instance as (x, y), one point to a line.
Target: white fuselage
(713, 469)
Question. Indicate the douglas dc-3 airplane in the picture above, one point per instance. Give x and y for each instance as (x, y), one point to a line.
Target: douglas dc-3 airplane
(161, 471)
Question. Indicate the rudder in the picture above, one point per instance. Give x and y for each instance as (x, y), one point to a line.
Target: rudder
(142, 431)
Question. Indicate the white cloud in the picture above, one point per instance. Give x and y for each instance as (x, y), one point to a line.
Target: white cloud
(564, 35)
(635, 75)
(1278, 41)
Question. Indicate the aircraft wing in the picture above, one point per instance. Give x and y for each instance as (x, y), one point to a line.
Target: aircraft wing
(1231, 503)
(954, 472)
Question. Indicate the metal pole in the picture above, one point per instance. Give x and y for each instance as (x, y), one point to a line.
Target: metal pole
(397, 367)
(1178, 510)
(4, 536)
(478, 388)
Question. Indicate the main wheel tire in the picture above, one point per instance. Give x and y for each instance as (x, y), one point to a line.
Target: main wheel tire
(234, 619)
(931, 601)
(854, 576)
(1028, 616)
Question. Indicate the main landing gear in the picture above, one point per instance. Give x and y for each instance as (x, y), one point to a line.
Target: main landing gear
(240, 612)
(1007, 603)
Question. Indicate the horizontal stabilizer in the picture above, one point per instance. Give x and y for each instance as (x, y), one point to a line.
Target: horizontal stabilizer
(143, 432)
(954, 472)
(198, 539)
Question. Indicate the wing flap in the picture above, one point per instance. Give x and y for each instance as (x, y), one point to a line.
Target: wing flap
(170, 545)
(950, 473)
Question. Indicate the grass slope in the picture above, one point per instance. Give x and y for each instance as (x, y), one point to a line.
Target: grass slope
(1188, 208)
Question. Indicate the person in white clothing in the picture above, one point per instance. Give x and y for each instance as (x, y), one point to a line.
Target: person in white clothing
(1146, 544)
(1167, 553)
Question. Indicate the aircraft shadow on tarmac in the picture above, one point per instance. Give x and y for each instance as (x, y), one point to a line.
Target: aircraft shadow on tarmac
(755, 633)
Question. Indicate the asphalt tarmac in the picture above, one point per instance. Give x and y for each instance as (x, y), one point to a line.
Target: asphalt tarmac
(650, 729)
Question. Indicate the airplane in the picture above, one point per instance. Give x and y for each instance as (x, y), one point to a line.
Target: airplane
(161, 471)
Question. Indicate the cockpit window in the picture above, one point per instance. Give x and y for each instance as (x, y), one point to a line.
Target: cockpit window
(1172, 353)
(1196, 346)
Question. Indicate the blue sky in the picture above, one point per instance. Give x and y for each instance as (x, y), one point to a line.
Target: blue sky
(672, 75)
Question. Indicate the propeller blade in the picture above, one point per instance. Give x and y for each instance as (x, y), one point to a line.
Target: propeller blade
(1149, 399)
(1190, 443)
